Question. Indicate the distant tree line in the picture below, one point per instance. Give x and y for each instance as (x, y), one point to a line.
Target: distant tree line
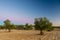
(39, 24)
(24, 27)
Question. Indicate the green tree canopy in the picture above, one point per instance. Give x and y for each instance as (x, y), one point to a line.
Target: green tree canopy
(7, 24)
(42, 24)
(28, 27)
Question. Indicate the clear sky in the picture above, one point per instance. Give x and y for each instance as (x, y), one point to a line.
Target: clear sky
(24, 11)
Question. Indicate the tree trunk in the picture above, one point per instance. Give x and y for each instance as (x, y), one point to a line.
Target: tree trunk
(41, 32)
(9, 30)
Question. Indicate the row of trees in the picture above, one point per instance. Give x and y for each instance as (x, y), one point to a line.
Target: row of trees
(24, 27)
(8, 26)
(39, 24)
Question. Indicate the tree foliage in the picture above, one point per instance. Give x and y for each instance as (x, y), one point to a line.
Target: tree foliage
(42, 24)
(20, 27)
(28, 27)
(13, 26)
(7, 24)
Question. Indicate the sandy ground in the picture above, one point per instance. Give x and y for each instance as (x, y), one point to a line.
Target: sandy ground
(20, 35)
(54, 35)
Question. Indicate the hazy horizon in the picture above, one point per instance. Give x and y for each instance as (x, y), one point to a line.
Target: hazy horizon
(25, 11)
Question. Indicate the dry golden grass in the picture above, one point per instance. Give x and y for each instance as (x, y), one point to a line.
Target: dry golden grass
(20, 35)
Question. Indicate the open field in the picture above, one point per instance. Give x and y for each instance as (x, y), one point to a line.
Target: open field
(28, 35)
(20, 35)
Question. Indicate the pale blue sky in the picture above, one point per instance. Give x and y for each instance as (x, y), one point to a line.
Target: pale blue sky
(24, 11)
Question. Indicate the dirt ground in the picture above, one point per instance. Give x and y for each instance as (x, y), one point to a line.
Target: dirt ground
(20, 35)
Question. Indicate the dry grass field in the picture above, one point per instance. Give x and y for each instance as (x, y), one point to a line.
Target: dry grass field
(28, 35)
(20, 35)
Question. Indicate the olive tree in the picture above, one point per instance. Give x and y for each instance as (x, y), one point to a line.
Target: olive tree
(7, 25)
(42, 24)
